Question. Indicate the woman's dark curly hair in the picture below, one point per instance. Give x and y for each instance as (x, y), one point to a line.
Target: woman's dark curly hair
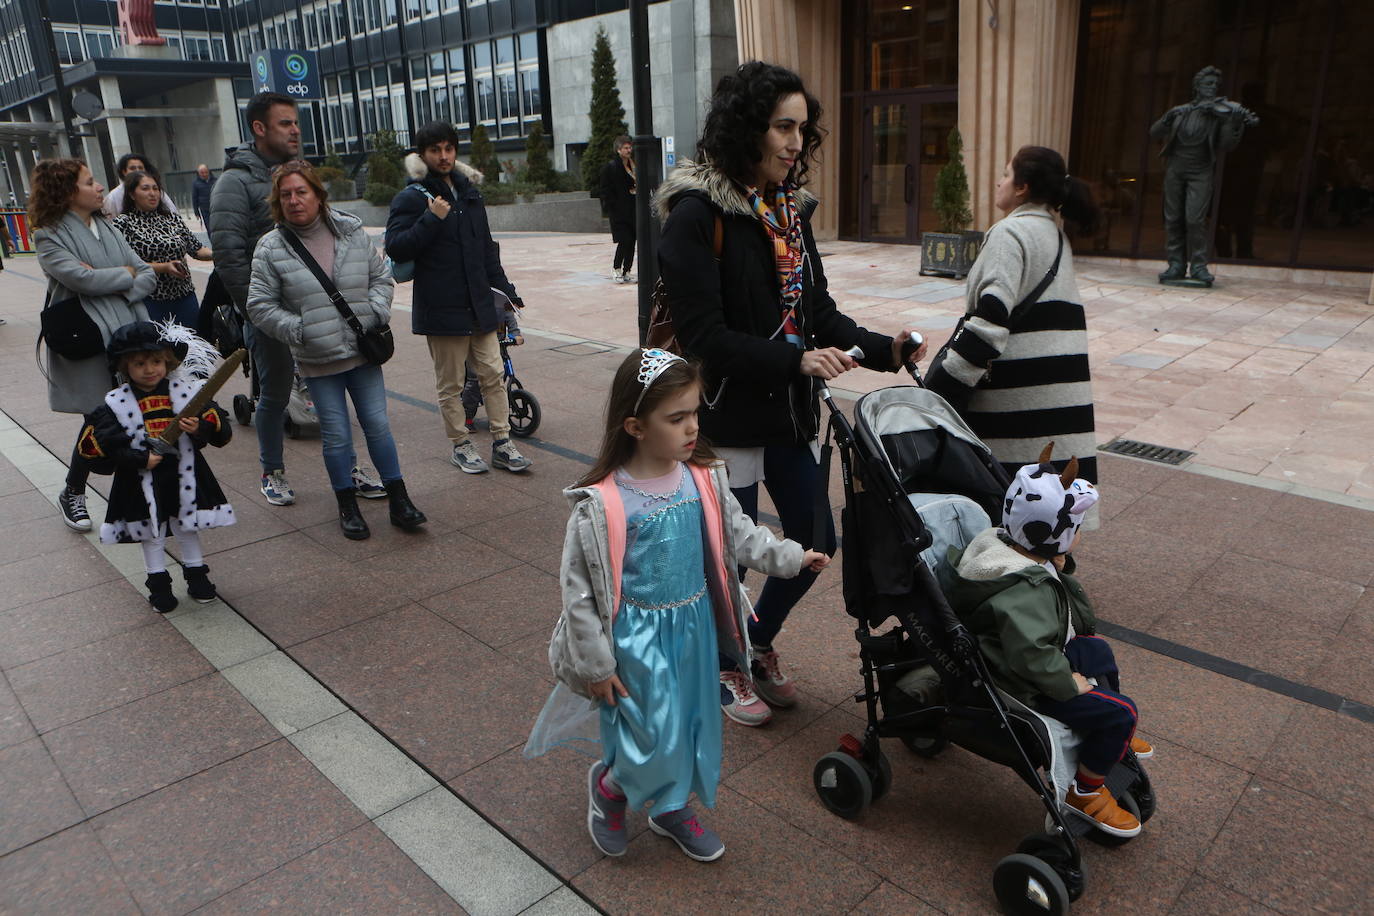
(51, 189)
(741, 110)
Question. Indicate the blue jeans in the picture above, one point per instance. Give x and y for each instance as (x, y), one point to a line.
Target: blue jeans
(368, 390)
(791, 475)
(275, 370)
(185, 310)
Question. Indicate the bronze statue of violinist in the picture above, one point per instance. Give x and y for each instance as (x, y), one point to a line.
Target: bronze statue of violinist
(1195, 136)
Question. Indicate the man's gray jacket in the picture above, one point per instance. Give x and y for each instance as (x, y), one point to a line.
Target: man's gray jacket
(239, 216)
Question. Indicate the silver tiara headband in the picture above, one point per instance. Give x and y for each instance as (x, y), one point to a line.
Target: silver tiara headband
(652, 364)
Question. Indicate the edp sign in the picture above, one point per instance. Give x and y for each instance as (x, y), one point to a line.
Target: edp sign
(292, 73)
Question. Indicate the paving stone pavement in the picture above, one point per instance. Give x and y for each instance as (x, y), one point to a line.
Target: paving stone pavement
(342, 733)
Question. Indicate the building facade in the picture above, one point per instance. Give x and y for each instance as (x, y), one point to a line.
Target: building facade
(1089, 77)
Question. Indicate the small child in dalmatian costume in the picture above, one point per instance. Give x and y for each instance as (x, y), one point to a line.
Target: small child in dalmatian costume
(1013, 586)
(153, 495)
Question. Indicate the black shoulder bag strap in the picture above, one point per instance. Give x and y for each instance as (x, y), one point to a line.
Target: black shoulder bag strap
(330, 289)
(1040, 287)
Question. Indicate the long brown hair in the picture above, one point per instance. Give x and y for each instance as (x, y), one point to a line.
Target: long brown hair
(51, 188)
(618, 446)
(132, 181)
(307, 172)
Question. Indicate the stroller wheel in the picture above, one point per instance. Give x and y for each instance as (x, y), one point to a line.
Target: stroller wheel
(1103, 838)
(1025, 884)
(843, 784)
(1054, 850)
(524, 413)
(1144, 795)
(243, 409)
(925, 746)
(882, 779)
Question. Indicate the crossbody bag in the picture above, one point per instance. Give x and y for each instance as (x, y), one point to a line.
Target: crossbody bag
(376, 345)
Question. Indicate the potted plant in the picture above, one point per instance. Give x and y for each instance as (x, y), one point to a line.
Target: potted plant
(951, 251)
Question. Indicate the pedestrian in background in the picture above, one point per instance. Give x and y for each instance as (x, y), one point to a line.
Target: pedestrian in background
(84, 257)
(239, 216)
(132, 162)
(161, 238)
(1016, 367)
(758, 313)
(618, 205)
(444, 231)
(201, 187)
(288, 303)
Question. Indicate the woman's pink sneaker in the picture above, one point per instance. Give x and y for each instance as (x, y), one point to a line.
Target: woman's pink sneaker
(738, 701)
(775, 687)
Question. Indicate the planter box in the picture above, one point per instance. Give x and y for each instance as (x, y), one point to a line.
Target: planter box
(949, 254)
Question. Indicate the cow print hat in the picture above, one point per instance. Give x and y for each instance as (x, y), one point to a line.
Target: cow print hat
(1043, 509)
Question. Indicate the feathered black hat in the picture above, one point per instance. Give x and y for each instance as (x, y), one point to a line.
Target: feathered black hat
(140, 337)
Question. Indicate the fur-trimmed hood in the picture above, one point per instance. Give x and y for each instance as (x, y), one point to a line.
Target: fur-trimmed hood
(417, 170)
(988, 557)
(720, 189)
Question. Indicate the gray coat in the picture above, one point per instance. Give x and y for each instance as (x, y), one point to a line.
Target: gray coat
(239, 216)
(285, 300)
(108, 294)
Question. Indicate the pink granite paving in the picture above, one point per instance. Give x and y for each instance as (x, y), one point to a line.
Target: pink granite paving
(438, 639)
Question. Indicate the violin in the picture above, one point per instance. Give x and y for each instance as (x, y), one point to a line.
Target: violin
(1224, 106)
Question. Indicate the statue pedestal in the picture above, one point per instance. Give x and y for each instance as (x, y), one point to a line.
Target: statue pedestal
(1188, 282)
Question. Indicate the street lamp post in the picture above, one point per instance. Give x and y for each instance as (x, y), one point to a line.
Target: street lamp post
(646, 159)
(60, 87)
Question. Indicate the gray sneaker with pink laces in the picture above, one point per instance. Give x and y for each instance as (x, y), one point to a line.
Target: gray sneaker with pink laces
(605, 814)
(692, 837)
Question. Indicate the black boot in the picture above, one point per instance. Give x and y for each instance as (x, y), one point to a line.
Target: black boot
(159, 585)
(350, 519)
(403, 512)
(198, 584)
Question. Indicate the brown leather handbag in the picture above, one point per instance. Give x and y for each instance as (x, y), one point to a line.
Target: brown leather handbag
(661, 332)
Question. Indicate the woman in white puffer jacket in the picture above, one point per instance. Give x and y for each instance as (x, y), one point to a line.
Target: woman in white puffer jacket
(287, 302)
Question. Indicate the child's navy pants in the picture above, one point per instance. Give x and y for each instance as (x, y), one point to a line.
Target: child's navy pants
(1105, 718)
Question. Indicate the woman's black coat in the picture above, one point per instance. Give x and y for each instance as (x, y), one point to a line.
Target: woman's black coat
(457, 262)
(617, 201)
(725, 313)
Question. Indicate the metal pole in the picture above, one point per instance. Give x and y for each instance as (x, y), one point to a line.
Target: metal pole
(73, 144)
(646, 159)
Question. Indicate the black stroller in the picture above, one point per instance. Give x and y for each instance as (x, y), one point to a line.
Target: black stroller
(916, 481)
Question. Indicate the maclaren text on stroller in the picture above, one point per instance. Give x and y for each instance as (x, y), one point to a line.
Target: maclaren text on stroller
(917, 481)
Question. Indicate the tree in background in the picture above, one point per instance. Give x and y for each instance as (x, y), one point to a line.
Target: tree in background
(607, 114)
(537, 163)
(951, 188)
(483, 156)
(385, 173)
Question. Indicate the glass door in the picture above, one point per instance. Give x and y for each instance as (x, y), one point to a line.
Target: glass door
(905, 144)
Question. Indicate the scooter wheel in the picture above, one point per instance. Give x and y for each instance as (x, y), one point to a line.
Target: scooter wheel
(524, 413)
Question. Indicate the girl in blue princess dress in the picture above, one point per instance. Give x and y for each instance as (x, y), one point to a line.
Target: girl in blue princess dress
(651, 597)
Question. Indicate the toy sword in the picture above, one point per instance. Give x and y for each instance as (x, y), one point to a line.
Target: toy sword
(165, 442)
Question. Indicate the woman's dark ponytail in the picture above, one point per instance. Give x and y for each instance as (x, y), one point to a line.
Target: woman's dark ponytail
(1043, 172)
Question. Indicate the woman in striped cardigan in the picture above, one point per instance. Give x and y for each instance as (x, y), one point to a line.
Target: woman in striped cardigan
(1016, 368)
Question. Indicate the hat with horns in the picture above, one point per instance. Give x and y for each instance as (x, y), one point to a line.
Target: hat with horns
(1044, 508)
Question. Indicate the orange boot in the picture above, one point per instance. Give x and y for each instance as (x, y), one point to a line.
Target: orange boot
(1101, 807)
(1144, 750)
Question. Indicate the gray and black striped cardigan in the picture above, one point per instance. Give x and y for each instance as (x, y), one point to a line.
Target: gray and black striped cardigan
(1021, 380)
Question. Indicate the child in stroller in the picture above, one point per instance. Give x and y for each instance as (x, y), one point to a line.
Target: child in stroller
(917, 482)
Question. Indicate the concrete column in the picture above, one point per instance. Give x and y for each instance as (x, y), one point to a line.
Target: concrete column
(1016, 78)
(117, 126)
(228, 108)
(803, 35)
(19, 176)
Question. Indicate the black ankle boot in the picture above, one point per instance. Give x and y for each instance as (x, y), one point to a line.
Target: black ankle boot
(159, 585)
(403, 512)
(350, 519)
(198, 584)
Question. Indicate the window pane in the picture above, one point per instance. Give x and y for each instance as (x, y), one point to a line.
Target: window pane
(529, 46)
(436, 64)
(481, 55)
(459, 97)
(486, 100)
(505, 50)
(529, 83)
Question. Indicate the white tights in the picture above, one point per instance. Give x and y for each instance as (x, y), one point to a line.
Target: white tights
(155, 560)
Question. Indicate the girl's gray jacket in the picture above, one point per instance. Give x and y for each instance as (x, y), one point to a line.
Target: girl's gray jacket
(110, 295)
(581, 651)
(285, 300)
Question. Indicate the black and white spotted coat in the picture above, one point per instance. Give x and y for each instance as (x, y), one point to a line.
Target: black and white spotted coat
(158, 236)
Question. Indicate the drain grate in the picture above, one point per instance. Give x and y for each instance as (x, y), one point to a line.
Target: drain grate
(1147, 451)
(583, 348)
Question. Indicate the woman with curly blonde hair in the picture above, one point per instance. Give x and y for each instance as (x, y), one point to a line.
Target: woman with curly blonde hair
(85, 259)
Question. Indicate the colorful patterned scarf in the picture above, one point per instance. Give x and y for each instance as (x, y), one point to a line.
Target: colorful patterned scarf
(783, 225)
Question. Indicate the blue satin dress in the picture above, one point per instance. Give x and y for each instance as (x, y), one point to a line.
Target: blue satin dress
(663, 742)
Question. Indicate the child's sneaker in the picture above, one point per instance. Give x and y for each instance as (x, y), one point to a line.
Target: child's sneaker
(737, 700)
(159, 585)
(1143, 749)
(73, 506)
(276, 489)
(198, 584)
(367, 484)
(692, 837)
(605, 815)
(770, 683)
(466, 459)
(1102, 809)
(507, 457)
(470, 423)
